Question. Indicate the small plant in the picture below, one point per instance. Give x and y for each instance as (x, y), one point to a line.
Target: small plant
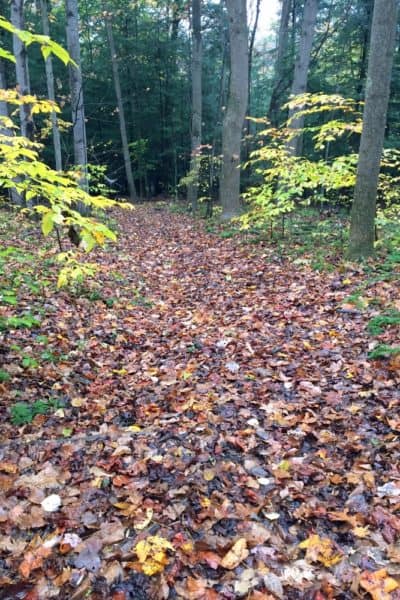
(23, 413)
(383, 351)
(4, 376)
(378, 324)
(27, 321)
(28, 362)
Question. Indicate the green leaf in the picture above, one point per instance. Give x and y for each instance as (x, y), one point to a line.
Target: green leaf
(47, 223)
(7, 55)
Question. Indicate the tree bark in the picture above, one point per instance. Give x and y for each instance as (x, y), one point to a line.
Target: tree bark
(280, 63)
(50, 88)
(193, 186)
(121, 112)
(76, 88)
(21, 69)
(236, 109)
(300, 77)
(383, 39)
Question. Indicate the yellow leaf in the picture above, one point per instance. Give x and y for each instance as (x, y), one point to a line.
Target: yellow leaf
(209, 474)
(133, 428)
(151, 553)
(236, 554)
(205, 502)
(321, 550)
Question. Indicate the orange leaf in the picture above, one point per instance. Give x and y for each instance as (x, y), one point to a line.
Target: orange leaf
(378, 584)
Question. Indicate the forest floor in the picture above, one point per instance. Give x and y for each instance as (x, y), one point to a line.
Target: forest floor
(203, 422)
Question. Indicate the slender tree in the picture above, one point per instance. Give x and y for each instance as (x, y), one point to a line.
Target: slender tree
(383, 39)
(76, 86)
(121, 112)
(50, 88)
(193, 186)
(236, 109)
(21, 68)
(301, 69)
(280, 63)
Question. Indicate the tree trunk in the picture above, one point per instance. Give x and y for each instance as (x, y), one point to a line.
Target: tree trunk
(236, 109)
(76, 87)
(300, 77)
(121, 113)
(193, 186)
(50, 88)
(280, 64)
(21, 68)
(383, 39)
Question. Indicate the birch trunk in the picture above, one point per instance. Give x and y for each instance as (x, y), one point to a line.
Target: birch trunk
(121, 113)
(21, 68)
(50, 89)
(280, 63)
(383, 40)
(300, 77)
(193, 186)
(76, 88)
(236, 109)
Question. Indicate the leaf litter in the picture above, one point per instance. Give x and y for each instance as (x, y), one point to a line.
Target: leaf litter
(216, 437)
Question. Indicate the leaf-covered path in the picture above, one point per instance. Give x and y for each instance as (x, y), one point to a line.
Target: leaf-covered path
(220, 434)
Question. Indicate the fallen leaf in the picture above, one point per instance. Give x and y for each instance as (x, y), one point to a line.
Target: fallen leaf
(322, 550)
(236, 554)
(378, 584)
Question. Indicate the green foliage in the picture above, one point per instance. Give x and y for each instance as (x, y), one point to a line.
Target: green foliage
(4, 376)
(73, 272)
(285, 180)
(23, 413)
(26, 321)
(47, 46)
(378, 324)
(52, 195)
(383, 351)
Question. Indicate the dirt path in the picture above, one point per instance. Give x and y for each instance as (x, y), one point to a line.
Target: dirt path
(214, 399)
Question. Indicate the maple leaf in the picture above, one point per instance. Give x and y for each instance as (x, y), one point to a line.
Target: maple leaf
(152, 554)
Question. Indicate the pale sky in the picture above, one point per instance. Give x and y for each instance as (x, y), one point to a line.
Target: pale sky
(268, 15)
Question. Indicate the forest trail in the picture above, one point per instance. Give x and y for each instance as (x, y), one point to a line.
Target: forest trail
(219, 400)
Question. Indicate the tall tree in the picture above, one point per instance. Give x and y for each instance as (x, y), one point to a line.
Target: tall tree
(380, 62)
(301, 69)
(280, 63)
(121, 112)
(193, 186)
(236, 109)
(76, 86)
(50, 88)
(21, 68)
